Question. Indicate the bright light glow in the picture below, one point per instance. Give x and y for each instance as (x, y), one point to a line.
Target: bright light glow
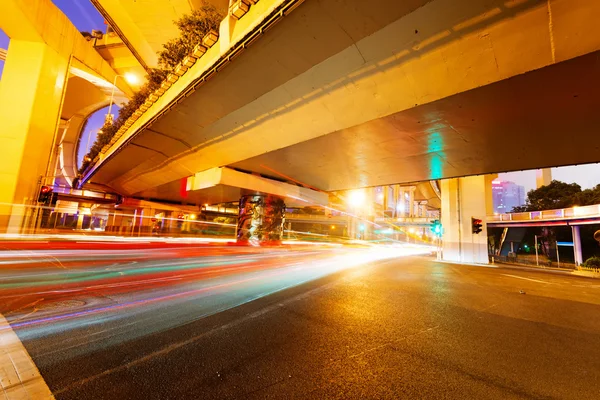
(193, 216)
(131, 78)
(332, 226)
(411, 230)
(356, 198)
(400, 207)
(164, 278)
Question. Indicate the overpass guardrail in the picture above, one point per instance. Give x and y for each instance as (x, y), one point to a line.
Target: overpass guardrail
(592, 211)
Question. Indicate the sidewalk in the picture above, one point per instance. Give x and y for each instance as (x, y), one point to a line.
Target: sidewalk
(19, 377)
(568, 271)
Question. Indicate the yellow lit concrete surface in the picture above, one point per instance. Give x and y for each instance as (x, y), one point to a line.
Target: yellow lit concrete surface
(543, 177)
(119, 57)
(31, 95)
(463, 199)
(145, 26)
(41, 21)
(52, 75)
(350, 85)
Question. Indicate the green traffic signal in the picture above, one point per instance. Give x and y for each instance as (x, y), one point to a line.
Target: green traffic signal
(436, 227)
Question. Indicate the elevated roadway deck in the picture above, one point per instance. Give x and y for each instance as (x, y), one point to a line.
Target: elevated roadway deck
(340, 96)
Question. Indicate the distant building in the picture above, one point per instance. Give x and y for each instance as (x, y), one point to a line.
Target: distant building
(507, 195)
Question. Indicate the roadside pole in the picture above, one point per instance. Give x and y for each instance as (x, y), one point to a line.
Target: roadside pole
(537, 261)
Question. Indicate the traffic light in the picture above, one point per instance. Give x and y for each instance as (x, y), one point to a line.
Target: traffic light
(45, 194)
(476, 225)
(436, 227)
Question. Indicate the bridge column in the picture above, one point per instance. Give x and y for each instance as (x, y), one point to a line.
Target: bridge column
(396, 195)
(462, 199)
(261, 220)
(31, 93)
(411, 202)
(401, 205)
(577, 244)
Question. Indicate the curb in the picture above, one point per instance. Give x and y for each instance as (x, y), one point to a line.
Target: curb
(562, 271)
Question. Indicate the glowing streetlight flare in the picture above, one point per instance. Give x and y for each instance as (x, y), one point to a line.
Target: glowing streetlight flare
(356, 198)
(131, 78)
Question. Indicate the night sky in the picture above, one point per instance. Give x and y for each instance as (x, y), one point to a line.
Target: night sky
(86, 18)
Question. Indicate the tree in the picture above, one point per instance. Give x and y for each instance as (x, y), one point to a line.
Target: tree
(192, 28)
(587, 197)
(555, 195)
(559, 195)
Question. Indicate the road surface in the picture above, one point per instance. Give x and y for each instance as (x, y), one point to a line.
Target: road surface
(306, 323)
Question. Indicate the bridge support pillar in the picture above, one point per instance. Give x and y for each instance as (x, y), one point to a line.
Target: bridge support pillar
(261, 220)
(31, 94)
(463, 199)
(577, 244)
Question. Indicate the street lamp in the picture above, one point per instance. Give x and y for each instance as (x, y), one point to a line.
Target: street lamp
(356, 198)
(129, 78)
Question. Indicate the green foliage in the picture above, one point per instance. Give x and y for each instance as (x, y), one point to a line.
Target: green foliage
(192, 28)
(592, 263)
(519, 209)
(555, 195)
(559, 195)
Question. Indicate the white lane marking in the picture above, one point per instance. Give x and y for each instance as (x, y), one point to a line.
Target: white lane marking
(528, 279)
(19, 377)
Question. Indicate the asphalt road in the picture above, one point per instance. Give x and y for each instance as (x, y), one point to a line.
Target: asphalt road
(358, 327)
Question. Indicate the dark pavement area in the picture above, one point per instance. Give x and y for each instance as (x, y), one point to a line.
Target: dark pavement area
(402, 328)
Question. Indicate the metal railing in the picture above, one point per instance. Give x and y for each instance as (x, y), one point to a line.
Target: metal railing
(531, 262)
(548, 215)
(315, 217)
(407, 220)
(84, 193)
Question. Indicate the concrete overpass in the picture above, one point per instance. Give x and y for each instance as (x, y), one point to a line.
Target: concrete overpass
(572, 216)
(329, 96)
(52, 80)
(372, 94)
(584, 215)
(336, 96)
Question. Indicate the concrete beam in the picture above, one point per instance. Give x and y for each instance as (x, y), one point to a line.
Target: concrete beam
(132, 35)
(229, 177)
(41, 21)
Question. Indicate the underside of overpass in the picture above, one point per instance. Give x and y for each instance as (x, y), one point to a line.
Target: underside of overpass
(375, 93)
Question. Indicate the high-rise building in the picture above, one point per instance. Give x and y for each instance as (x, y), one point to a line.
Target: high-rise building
(507, 195)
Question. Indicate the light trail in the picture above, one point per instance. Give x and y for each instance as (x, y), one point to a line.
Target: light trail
(115, 297)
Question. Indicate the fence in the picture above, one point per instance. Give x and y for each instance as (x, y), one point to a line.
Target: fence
(531, 263)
